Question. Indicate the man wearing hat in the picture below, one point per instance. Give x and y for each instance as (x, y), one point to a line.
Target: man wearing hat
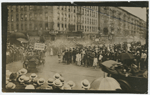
(66, 87)
(57, 76)
(85, 84)
(10, 85)
(33, 76)
(40, 83)
(71, 84)
(57, 85)
(50, 83)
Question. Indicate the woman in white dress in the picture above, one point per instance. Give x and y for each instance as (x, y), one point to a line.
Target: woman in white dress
(95, 61)
(78, 59)
(51, 53)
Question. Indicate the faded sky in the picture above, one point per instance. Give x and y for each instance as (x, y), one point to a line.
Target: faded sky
(137, 11)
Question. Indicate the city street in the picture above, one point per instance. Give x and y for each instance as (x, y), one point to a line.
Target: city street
(69, 72)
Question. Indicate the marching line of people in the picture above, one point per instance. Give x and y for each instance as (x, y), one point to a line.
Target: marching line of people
(94, 55)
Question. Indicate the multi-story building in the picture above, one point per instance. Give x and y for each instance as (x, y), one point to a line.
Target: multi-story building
(60, 18)
(119, 21)
(88, 19)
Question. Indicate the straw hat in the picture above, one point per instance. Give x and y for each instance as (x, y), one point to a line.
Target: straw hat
(10, 85)
(29, 87)
(57, 76)
(27, 80)
(50, 81)
(85, 83)
(33, 76)
(57, 82)
(66, 87)
(71, 83)
(62, 79)
(21, 79)
(23, 71)
(41, 81)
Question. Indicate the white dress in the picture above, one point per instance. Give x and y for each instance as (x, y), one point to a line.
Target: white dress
(51, 53)
(78, 59)
(95, 62)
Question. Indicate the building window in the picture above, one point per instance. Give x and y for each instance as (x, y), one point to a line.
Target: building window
(21, 8)
(21, 16)
(58, 18)
(35, 15)
(40, 14)
(12, 18)
(25, 17)
(40, 25)
(68, 9)
(21, 26)
(12, 27)
(17, 17)
(46, 14)
(62, 26)
(58, 26)
(65, 8)
(25, 8)
(30, 16)
(30, 25)
(62, 18)
(25, 27)
(62, 8)
(35, 27)
(46, 26)
(17, 8)
(58, 7)
(30, 7)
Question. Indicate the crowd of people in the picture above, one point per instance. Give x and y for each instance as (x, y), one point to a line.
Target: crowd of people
(14, 53)
(95, 55)
(20, 80)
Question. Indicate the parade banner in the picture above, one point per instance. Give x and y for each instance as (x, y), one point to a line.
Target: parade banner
(39, 46)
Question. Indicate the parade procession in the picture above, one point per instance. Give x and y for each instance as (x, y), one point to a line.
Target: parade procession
(56, 60)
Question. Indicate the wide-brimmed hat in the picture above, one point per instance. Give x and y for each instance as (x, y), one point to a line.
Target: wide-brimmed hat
(57, 82)
(62, 79)
(66, 87)
(13, 76)
(71, 83)
(57, 76)
(27, 80)
(33, 76)
(23, 71)
(21, 78)
(41, 81)
(10, 85)
(29, 87)
(50, 81)
(85, 83)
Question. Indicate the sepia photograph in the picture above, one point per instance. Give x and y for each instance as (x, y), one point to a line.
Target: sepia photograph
(77, 48)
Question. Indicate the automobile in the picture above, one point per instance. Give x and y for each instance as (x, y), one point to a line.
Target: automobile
(32, 62)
